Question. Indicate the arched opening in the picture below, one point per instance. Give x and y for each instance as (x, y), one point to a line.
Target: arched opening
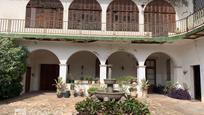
(44, 69)
(83, 65)
(123, 64)
(159, 18)
(44, 14)
(122, 15)
(159, 70)
(85, 15)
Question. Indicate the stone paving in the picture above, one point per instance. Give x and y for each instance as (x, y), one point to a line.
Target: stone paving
(49, 104)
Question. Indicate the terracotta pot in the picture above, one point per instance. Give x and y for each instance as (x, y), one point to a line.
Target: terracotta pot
(133, 94)
(89, 82)
(144, 93)
(60, 95)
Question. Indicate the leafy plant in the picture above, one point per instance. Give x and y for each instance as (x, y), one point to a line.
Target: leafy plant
(111, 107)
(60, 86)
(89, 78)
(145, 84)
(125, 79)
(88, 106)
(92, 90)
(169, 86)
(133, 107)
(12, 67)
(129, 106)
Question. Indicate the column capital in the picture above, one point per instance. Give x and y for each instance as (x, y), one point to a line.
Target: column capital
(141, 66)
(63, 64)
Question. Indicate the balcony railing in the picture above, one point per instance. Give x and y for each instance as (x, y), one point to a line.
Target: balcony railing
(19, 26)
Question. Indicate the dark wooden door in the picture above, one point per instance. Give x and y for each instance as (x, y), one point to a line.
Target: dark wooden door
(28, 76)
(197, 82)
(49, 72)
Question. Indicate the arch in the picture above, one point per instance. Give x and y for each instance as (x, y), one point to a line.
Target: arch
(159, 18)
(85, 15)
(44, 66)
(43, 51)
(44, 14)
(159, 68)
(122, 15)
(123, 64)
(82, 64)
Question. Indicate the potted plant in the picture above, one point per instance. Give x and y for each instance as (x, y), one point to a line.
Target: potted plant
(72, 91)
(133, 90)
(60, 87)
(89, 79)
(145, 85)
(92, 90)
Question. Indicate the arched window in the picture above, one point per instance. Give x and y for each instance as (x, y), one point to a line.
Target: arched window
(122, 15)
(44, 14)
(85, 14)
(160, 18)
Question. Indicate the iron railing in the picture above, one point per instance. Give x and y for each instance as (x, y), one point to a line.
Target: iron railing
(21, 26)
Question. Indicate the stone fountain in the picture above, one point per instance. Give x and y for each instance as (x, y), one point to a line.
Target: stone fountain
(109, 94)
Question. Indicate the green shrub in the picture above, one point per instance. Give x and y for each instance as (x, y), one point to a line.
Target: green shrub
(92, 90)
(88, 106)
(129, 106)
(12, 67)
(134, 107)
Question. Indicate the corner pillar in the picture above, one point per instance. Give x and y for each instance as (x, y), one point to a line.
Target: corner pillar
(103, 73)
(141, 75)
(63, 72)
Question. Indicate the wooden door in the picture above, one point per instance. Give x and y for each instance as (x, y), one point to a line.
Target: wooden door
(151, 71)
(49, 72)
(28, 78)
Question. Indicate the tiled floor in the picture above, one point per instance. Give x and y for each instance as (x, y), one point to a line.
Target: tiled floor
(49, 104)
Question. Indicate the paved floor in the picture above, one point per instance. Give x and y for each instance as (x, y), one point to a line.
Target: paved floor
(48, 104)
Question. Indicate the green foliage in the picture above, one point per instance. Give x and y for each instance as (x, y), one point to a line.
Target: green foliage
(60, 85)
(134, 107)
(169, 86)
(129, 106)
(88, 106)
(125, 79)
(12, 67)
(145, 84)
(93, 90)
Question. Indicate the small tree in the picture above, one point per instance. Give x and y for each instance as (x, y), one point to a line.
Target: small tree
(12, 67)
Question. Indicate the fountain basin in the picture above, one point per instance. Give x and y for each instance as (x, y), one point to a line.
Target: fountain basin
(114, 95)
(109, 81)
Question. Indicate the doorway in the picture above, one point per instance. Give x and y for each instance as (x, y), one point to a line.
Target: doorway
(197, 82)
(28, 77)
(49, 72)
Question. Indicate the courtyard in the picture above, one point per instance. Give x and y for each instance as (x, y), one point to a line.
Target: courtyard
(46, 103)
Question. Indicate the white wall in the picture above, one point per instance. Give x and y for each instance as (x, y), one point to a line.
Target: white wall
(85, 59)
(123, 59)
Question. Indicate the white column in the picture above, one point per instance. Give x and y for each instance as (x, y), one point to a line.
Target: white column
(63, 72)
(103, 20)
(141, 19)
(141, 75)
(65, 16)
(103, 73)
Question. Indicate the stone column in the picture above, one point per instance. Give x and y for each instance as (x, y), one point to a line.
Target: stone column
(63, 72)
(141, 19)
(103, 73)
(141, 75)
(103, 19)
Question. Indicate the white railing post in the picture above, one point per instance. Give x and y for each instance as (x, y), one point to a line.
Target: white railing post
(9, 25)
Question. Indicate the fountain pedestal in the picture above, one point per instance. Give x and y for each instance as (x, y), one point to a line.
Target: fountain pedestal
(109, 94)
